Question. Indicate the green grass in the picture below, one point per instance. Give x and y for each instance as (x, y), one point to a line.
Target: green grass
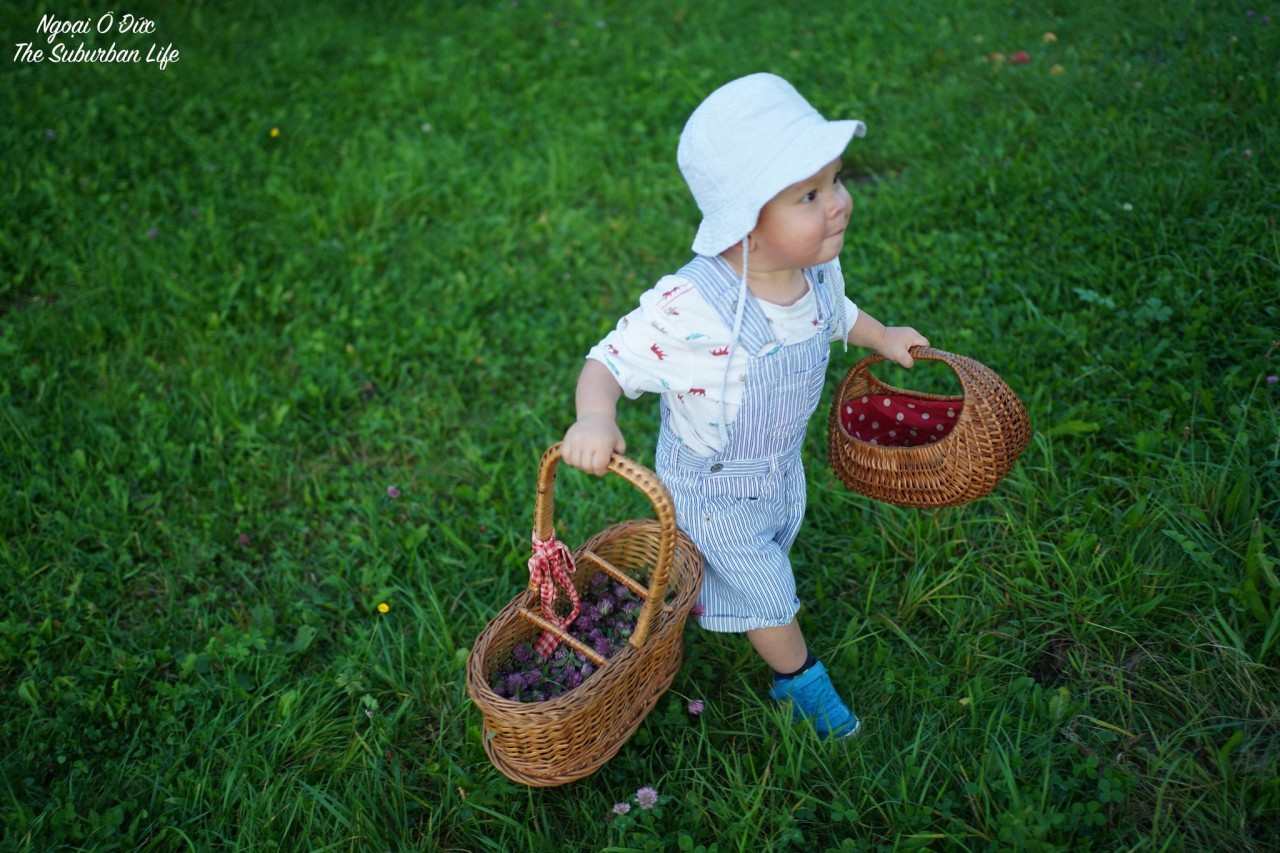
(219, 347)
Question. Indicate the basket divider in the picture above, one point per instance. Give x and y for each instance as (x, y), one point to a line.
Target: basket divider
(575, 644)
(620, 576)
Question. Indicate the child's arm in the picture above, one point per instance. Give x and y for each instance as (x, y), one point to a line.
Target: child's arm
(594, 437)
(892, 342)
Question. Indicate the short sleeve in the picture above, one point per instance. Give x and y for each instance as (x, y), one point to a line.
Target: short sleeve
(648, 351)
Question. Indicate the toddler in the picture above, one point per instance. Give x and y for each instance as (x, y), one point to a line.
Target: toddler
(736, 344)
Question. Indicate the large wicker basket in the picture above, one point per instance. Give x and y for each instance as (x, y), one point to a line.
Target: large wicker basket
(570, 736)
(980, 435)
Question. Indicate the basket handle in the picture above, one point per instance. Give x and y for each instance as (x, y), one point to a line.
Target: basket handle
(962, 366)
(648, 483)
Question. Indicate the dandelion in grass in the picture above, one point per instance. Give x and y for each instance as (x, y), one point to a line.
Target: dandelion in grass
(1049, 38)
(621, 808)
(275, 132)
(1057, 69)
(646, 797)
(696, 707)
(393, 492)
(384, 607)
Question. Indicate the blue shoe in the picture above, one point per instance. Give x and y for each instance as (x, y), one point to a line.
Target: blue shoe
(813, 697)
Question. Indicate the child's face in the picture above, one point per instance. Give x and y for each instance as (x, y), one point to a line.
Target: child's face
(803, 225)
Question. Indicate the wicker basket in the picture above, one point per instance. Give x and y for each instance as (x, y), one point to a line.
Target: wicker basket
(986, 429)
(570, 736)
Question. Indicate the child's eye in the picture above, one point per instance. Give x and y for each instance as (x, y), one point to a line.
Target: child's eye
(811, 195)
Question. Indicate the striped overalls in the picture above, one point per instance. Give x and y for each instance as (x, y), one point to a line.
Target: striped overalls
(743, 506)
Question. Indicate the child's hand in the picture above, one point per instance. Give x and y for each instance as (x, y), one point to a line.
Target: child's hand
(897, 341)
(591, 442)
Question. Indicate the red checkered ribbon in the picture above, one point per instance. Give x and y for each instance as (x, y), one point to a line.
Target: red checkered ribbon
(550, 564)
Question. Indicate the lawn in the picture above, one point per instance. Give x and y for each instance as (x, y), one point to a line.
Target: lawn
(287, 323)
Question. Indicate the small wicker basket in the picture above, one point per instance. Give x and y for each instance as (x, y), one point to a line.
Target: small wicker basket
(979, 435)
(563, 739)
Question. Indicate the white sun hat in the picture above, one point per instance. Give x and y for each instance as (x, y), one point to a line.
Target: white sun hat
(748, 141)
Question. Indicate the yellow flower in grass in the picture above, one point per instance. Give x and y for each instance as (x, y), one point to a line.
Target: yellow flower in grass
(275, 131)
(384, 607)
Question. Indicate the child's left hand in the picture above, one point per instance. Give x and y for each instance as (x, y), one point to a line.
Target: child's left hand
(897, 341)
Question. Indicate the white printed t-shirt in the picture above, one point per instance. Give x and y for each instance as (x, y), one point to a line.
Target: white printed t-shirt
(675, 344)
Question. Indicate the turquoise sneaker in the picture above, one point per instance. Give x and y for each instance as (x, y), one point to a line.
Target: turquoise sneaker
(813, 697)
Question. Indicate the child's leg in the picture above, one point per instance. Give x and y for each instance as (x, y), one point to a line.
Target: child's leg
(782, 648)
(803, 681)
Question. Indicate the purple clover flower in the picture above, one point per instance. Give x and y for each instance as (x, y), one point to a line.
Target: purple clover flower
(646, 797)
(605, 621)
(696, 706)
(621, 808)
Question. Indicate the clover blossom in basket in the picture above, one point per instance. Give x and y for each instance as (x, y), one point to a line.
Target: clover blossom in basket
(605, 622)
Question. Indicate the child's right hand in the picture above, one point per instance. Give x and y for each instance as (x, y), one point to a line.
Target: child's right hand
(591, 442)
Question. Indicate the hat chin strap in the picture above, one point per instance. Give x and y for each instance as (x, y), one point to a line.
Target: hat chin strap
(733, 342)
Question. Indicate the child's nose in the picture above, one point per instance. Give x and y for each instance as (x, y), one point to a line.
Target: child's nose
(841, 202)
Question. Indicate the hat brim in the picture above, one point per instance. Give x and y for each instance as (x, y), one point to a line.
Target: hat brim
(804, 157)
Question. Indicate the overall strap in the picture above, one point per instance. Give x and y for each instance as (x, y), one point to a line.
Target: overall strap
(719, 285)
(829, 291)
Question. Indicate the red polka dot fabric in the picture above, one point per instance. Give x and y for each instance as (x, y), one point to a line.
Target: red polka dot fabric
(898, 421)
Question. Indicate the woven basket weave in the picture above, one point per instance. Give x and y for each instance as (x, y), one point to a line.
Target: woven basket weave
(565, 738)
(990, 431)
